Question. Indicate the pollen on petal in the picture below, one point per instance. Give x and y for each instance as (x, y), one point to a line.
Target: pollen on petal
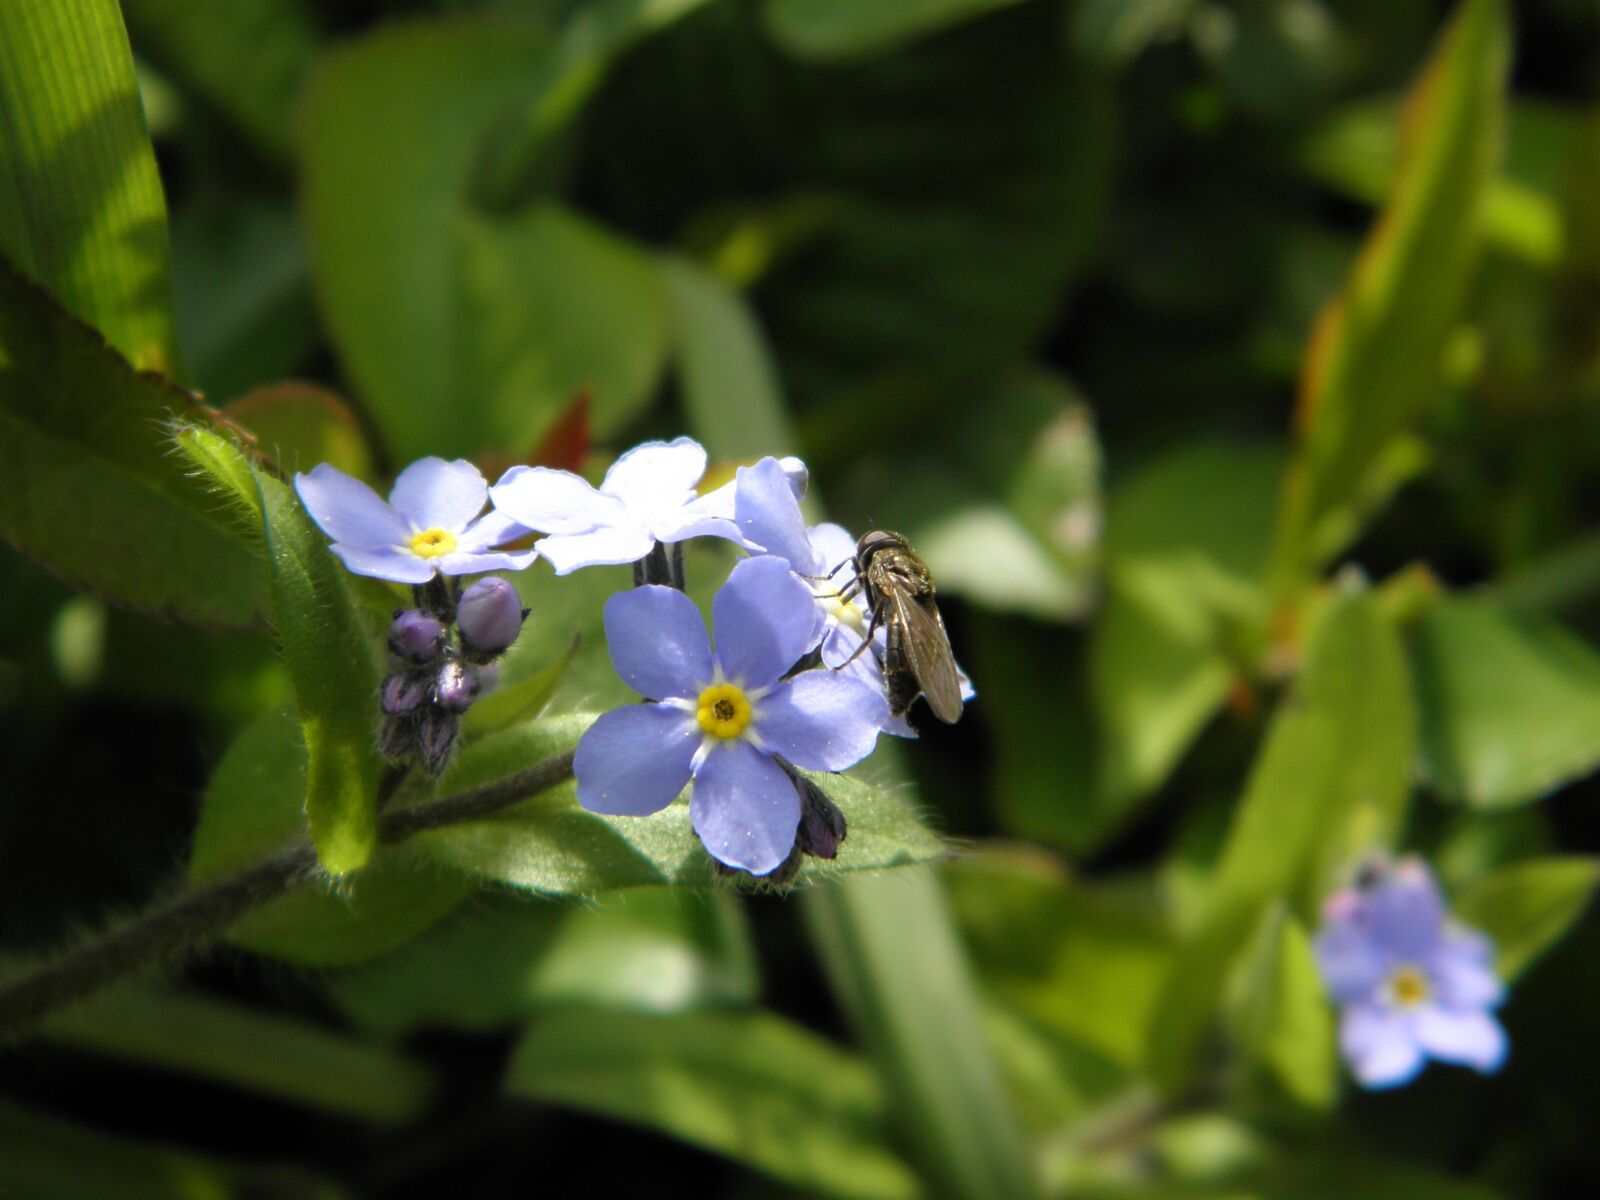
(433, 543)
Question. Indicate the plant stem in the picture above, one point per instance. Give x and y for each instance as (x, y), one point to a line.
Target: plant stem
(199, 915)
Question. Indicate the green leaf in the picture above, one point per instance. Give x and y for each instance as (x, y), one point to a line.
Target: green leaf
(1527, 906)
(552, 305)
(387, 130)
(255, 1050)
(1284, 1023)
(91, 486)
(47, 1159)
(838, 28)
(246, 58)
(513, 702)
(245, 314)
(1374, 361)
(328, 655)
(747, 1085)
(463, 330)
(1331, 780)
(891, 952)
(254, 804)
(550, 845)
(732, 399)
(1082, 962)
(517, 161)
(655, 950)
(1356, 151)
(81, 207)
(1510, 705)
(1186, 540)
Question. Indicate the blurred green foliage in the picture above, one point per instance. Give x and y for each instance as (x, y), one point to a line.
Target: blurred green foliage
(1235, 364)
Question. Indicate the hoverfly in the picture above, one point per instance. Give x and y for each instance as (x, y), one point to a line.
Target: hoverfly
(900, 595)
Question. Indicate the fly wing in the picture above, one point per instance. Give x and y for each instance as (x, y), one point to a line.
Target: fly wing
(927, 651)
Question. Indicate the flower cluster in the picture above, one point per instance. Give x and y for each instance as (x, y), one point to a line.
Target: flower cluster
(1411, 983)
(792, 685)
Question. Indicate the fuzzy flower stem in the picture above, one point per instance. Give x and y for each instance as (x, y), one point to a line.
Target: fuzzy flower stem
(198, 916)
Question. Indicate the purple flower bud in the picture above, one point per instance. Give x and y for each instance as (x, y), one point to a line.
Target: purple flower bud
(396, 737)
(403, 691)
(490, 616)
(415, 636)
(455, 687)
(822, 825)
(436, 737)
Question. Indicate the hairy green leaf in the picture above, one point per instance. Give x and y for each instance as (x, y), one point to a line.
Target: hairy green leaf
(751, 1086)
(550, 845)
(254, 804)
(81, 207)
(328, 654)
(92, 488)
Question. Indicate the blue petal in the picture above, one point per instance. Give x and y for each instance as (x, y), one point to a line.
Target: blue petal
(388, 562)
(1351, 965)
(434, 494)
(490, 530)
(821, 721)
(658, 642)
(1470, 1037)
(769, 516)
(687, 522)
(1462, 974)
(349, 511)
(744, 808)
(567, 552)
(633, 761)
(1380, 1046)
(832, 546)
(557, 502)
(764, 620)
(463, 563)
(657, 474)
(1405, 912)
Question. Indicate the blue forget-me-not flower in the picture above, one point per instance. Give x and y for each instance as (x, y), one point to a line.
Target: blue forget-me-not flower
(647, 496)
(770, 523)
(720, 717)
(1410, 982)
(430, 525)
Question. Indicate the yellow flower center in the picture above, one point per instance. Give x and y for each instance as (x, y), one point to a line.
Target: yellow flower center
(433, 543)
(724, 711)
(842, 611)
(1408, 986)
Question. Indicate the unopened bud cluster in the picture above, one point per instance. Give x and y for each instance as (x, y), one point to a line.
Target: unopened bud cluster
(442, 659)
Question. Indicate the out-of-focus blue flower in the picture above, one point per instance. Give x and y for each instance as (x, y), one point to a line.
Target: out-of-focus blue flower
(430, 524)
(1411, 983)
(647, 496)
(720, 717)
(770, 523)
